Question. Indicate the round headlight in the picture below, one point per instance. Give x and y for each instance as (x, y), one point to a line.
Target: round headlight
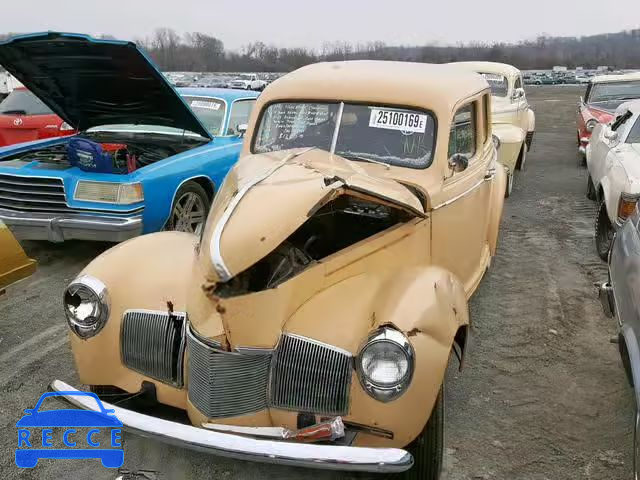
(385, 364)
(591, 124)
(496, 141)
(86, 306)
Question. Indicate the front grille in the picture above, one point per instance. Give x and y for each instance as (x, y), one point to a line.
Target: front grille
(310, 376)
(36, 194)
(226, 384)
(152, 343)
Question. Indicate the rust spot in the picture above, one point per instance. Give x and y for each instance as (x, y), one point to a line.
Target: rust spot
(262, 239)
(373, 319)
(455, 311)
(220, 309)
(413, 332)
(210, 291)
(170, 307)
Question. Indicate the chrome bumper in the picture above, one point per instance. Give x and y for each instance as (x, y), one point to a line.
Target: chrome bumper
(605, 294)
(332, 457)
(60, 227)
(582, 148)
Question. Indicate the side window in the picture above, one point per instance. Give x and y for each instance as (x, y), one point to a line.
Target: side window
(518, 83)
(462, 138)
(240, 112)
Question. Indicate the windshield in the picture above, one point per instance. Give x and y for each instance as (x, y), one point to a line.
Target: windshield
(23, 102)
(614, 92)
(395, 136)
(634, 133)
(210, 111)
(498, 83)
(244, 77)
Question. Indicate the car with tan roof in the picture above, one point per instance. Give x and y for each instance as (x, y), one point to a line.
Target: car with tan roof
(512, 117)
(312, 321)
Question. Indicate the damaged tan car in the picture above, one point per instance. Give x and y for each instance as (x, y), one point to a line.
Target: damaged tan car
(312, 322)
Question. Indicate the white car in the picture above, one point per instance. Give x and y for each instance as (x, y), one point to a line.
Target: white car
(248, 81)
(613, 160)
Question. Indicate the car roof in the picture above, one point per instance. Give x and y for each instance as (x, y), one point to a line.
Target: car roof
(626, 77)
(490, 67)
(435, 87)
(227, 94)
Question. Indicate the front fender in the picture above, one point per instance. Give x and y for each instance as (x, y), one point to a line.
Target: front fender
(633, 358)
(531, 120)
(158, 267)
(511, 140)
(428, 304)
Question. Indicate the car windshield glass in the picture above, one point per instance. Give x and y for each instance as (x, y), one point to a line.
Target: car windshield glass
(614, 91)
(390, 135)
(23, 102)
(498, 83)
(210, 111)
(634, 133)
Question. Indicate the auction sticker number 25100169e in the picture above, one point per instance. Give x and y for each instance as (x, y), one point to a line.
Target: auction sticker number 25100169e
(398, 120)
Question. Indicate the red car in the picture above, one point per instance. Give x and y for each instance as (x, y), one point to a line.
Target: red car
(604, 94)
(23, 118)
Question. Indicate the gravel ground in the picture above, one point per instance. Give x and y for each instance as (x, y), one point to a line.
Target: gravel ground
(543, 395)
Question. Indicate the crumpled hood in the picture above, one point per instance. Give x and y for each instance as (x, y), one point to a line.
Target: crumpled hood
(90, 82)
(266, 197)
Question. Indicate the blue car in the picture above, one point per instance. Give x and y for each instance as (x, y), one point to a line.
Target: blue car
(146, 157)
(76, 443)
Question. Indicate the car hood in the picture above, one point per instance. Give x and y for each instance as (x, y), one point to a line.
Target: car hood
(90, 82)
(266, 197)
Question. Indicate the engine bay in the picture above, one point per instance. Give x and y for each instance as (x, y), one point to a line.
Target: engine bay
(112, 152)
(337, 225)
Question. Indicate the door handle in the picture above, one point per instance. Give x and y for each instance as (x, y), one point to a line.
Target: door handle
(490, 174)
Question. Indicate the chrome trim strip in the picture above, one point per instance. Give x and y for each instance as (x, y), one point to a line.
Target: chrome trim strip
(332, 457)
(463, 194)
(336, 130)
(215, 252)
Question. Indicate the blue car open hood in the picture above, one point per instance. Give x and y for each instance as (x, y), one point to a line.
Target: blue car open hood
(90, 82)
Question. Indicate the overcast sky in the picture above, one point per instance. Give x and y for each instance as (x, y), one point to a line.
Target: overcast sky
(310, 23)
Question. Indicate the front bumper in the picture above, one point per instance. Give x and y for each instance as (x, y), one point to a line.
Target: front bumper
(582, 148)
(332, 457)
(56, 227)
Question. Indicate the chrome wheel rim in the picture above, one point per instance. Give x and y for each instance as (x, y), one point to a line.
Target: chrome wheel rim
(189, 214)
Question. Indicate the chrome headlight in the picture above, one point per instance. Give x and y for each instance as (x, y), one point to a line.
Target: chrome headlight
(385, 364)
(86, 306)
(108, 192)
(591, 124)
(496, 141)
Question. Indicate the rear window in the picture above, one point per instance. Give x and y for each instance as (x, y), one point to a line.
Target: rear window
(23, 102)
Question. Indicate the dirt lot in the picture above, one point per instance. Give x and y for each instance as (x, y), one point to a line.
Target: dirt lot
(543, 395)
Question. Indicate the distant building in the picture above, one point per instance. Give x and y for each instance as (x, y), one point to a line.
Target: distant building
(559, 68)
(603, 68)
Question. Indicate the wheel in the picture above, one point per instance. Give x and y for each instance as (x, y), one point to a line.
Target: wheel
(591, 189)
(190, 209)
(604, 232)
(428, 448)
(248, 87)
(509, 187)
(522, 158)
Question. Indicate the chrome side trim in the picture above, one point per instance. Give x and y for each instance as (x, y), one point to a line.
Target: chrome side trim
(216, 254)
(461, 195)
(331, 457)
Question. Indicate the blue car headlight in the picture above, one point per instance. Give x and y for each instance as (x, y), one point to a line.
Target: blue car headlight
(86, 306)
(109, 192)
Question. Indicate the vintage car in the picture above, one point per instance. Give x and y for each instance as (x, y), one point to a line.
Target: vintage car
(604, 94)
(248, 81)
(512, 117)
(324, 297)
(145, 159)
(14, 264)
(613, 161)
(24, 118)
(620, 299)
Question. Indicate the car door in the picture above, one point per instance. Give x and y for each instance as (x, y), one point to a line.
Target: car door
(460, 221)
(521, 105)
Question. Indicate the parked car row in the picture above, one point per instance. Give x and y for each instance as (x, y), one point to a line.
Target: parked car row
(364, 190)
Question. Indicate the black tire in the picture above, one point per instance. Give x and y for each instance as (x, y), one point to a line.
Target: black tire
(428, 448)
(522, 158)
(591, 189)
(179, 222)
(604, 232)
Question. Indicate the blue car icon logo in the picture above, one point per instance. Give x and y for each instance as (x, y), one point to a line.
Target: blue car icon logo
(78, 432)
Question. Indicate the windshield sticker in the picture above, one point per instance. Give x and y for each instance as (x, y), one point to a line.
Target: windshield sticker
(398, 120)
(492, 77)
(205, 104)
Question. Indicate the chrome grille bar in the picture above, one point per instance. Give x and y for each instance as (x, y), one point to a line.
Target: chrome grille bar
(152, 343)
(310, 376)
(226, 384)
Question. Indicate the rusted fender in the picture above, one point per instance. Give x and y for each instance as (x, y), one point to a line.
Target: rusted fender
(14, 263)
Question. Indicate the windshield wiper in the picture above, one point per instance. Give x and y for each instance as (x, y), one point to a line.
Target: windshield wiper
(13, 112)
(364, 159)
